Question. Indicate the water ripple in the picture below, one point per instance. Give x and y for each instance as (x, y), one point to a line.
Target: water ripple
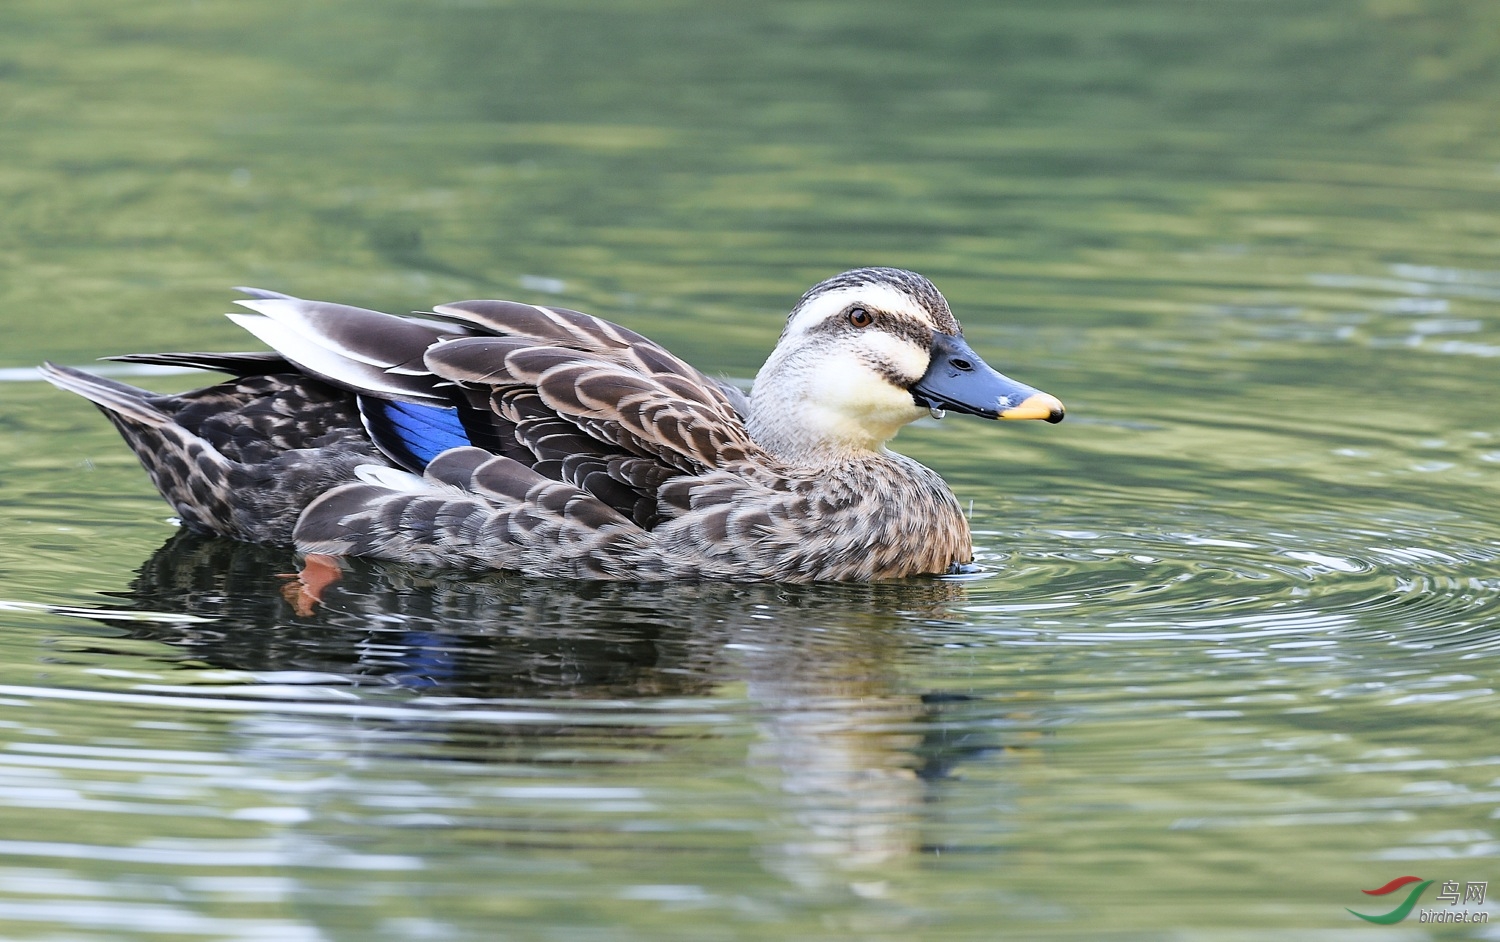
(1312, 578)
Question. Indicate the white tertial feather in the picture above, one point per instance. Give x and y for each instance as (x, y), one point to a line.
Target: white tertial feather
(294, 314)
(392, 479)
(321, 361)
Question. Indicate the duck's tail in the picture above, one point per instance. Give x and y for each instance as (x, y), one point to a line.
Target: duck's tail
(189, 472)
(241, 459)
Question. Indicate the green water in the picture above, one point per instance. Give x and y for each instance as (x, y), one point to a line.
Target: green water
(1235, 657)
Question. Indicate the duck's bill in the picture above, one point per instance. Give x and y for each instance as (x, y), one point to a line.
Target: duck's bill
(957, 380)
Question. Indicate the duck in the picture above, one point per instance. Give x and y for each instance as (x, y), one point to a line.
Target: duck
(501, 435)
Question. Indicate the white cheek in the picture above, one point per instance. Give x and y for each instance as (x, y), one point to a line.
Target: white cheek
(911, 361)
(852, 402)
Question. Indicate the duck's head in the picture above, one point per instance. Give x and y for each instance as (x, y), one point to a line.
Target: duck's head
(863, 354)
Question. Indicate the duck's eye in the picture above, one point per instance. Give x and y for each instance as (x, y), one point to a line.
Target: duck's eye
(860, 317)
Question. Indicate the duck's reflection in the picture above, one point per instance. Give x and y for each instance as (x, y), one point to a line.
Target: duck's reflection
(855, 750)
(843, 747)
(455, 634)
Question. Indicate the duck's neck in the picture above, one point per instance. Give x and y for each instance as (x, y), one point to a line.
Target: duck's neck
(821, 412)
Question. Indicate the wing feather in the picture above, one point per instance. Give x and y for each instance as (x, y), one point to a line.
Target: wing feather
(560, 327)
(550, 325)
(579, 419)
(688, 426)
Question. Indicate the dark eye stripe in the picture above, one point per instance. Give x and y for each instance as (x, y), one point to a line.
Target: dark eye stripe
(906, 328)
(912, 284)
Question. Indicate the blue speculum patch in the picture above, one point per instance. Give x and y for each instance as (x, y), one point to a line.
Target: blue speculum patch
(412, 435)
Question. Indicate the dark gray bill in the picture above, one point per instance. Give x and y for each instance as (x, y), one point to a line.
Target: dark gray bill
(959, 381)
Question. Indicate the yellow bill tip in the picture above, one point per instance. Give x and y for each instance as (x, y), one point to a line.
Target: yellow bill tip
(1036, 406)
